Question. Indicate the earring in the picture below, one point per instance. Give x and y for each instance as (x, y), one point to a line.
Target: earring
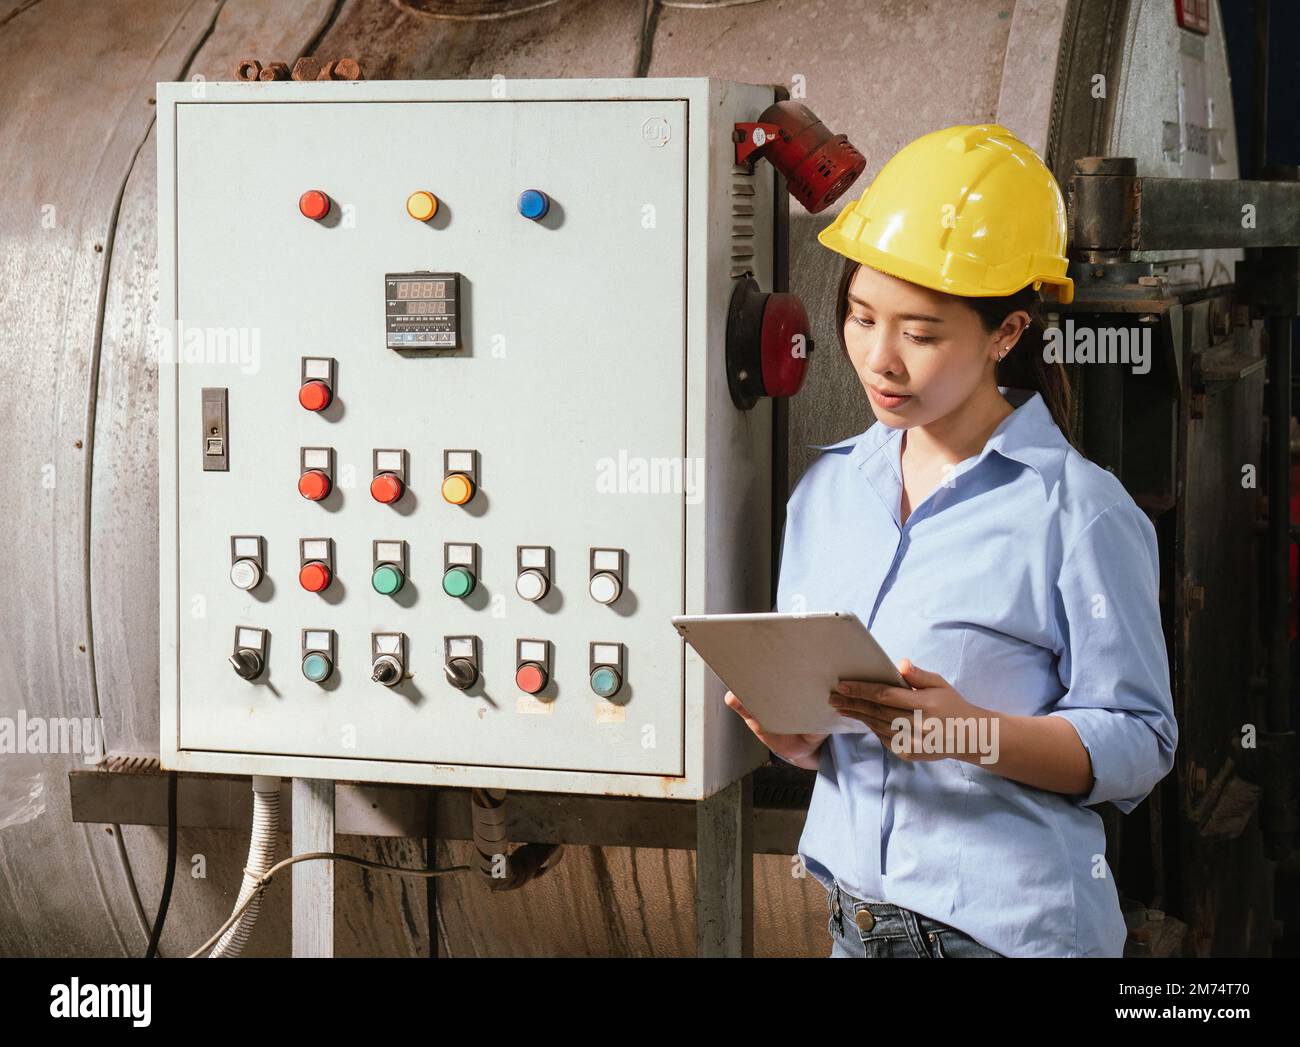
(1003, 353)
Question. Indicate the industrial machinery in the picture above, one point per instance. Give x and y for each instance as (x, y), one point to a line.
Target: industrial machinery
(436, 472)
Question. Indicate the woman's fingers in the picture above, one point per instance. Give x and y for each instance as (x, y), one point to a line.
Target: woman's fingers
(859, 707)
(736, 704)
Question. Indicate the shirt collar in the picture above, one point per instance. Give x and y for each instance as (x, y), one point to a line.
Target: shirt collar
(1027, 435)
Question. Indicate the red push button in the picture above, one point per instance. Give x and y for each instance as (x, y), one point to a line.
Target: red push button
(314, 485)
(530, 677)
(315, 396)
(314, 204)
(386, 488)
(315, 577)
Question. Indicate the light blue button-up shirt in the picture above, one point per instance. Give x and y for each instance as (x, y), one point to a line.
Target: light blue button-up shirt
(1029, 581)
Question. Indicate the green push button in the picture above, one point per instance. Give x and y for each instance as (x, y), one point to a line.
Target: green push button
(316, 667)
(605, 681)
(459, 581)
(387, 579)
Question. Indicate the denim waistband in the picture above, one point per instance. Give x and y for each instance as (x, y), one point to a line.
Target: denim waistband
(890, 919)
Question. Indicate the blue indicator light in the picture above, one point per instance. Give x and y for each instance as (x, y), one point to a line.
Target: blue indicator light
(533, 203)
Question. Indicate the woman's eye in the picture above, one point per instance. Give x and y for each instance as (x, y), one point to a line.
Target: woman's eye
(920, 339)
(861, 321)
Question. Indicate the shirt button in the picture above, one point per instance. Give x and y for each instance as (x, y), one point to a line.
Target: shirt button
(864, 919)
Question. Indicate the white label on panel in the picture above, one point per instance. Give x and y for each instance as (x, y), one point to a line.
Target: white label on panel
(533, 556)
(316, 457)
(388, 461)
(316, 549)
(460, 554)
(250, 637)
(462, 647)
(317, 367)
(460, 461)
(606, 653)
(607, 559)
(389, 552)
(528, 704)
(388, 643)
(532, 650)
(246, 546)
(317, 640)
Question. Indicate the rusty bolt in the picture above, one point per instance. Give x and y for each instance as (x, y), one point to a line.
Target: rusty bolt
(306, 69)
(327, 72)
(275, 71)
(347, 69)
(248, 69)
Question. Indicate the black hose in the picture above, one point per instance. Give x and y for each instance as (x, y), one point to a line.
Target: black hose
(171, 869)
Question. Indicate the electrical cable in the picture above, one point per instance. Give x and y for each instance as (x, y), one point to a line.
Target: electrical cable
(170, 878)
(263, 881)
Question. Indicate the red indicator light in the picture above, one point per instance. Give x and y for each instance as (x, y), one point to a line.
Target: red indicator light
(314, 204)
(314, 485)
(315, 396)
(314, 577)
(386, 488)
(530, 677)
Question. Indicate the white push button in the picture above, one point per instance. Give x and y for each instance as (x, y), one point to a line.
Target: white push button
(531, 585)
(245, 574)
(604, 587)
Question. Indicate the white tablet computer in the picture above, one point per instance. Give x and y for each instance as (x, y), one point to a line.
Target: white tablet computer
(783, 667)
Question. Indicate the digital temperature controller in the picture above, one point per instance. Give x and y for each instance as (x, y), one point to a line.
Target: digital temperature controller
(422, 310)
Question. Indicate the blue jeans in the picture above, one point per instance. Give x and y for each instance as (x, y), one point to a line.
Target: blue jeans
(869, 929)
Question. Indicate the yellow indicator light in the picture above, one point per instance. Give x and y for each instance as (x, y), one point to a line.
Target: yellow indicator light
(457, 489)
(421, 206)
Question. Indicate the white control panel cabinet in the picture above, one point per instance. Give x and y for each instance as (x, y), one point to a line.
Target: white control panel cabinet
(445, 430)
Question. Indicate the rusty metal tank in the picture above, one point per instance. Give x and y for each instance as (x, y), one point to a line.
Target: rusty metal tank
(78, 632)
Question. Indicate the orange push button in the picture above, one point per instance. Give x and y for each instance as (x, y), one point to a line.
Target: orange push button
(458, 488)
(314, 485)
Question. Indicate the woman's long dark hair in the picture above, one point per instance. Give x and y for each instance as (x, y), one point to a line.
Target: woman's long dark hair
(1023, 368)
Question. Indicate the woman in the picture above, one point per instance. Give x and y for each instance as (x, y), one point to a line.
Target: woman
(1017, 581)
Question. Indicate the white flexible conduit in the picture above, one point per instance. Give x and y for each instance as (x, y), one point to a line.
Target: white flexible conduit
(261, 856)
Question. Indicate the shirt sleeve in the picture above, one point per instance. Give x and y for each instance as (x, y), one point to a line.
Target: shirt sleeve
(1113, 661)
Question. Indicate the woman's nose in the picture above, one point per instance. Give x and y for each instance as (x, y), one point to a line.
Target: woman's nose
(883, 352)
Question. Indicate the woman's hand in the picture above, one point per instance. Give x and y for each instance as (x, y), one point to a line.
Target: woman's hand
(878, 705)
(798, 749)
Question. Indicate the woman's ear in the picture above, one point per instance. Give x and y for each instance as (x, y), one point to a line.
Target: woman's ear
(1006, 337)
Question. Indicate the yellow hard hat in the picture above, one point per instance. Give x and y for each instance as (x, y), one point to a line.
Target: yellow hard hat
(970, 210)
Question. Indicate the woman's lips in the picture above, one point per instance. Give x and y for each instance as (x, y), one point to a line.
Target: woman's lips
(886, 400)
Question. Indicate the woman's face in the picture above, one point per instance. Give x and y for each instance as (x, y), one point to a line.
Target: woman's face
(920, 354)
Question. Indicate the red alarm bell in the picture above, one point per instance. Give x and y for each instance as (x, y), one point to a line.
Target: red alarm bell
(768, 344)
(817, 165)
